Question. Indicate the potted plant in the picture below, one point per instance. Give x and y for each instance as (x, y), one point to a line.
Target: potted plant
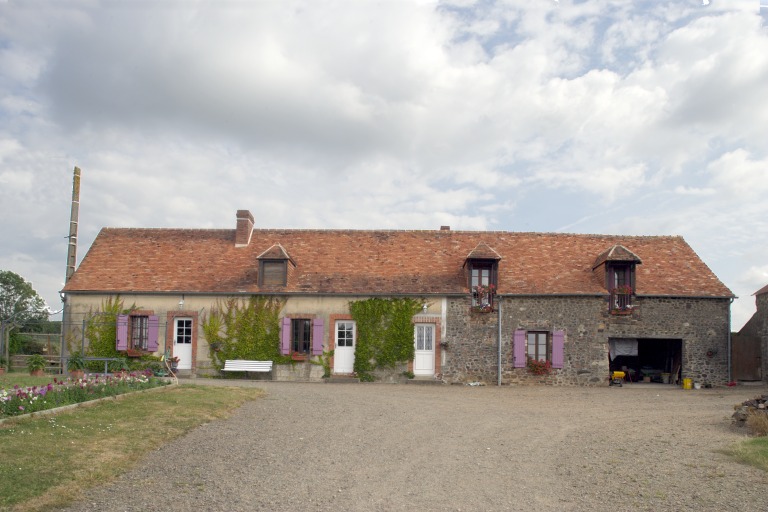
(76, 365)
(36, 365)
(174, 363)
(119, 366)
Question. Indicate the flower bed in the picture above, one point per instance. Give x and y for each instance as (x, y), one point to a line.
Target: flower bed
(25, 400)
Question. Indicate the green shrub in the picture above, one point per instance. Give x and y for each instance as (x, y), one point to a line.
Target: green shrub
(36, 362)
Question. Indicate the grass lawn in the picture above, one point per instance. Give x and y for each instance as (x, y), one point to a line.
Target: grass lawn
(47, 461)
(753, 452)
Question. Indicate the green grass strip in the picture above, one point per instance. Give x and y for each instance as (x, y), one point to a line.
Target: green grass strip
(46, 462)
(753, 452)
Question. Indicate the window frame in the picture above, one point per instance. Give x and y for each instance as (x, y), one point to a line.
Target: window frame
(301, 327)
(349, 333)
(491, 266)
(537, 345)
(138, 332)
(620, 275)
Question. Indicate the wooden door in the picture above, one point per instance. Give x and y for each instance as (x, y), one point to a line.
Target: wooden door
(746, 357)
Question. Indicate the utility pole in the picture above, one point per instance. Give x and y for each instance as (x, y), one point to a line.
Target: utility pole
(73, 220)
(74, 217)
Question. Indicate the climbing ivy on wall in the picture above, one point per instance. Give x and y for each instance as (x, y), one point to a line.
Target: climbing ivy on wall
(101, 328)
(244, 329)
(384, 332)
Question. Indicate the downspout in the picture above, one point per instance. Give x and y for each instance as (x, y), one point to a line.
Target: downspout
(498, 370)
(730, 372)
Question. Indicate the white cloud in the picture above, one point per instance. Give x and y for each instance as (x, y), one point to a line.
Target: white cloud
(602, 116)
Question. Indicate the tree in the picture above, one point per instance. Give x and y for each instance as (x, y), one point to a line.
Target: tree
(19, 302)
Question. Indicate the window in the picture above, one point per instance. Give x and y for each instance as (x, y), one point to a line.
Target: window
(137, 332)
(183, 331)
(539, 345)
(481, 281)
(273, 273)
(621, 287)
(345, 334)
(301, 335)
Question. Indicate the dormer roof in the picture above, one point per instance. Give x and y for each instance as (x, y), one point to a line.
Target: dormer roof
(483, 251)
(276, 252)
(617, 253)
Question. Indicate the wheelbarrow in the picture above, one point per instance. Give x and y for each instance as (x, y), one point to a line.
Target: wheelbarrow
(617, 378)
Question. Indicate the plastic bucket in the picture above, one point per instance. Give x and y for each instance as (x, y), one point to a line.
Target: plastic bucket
(687, 383)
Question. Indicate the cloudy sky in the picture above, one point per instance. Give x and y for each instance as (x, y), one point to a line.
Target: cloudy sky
(593, 116)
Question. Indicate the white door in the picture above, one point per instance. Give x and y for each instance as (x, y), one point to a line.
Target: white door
(424, 358)
(344, 353)
(182, 342)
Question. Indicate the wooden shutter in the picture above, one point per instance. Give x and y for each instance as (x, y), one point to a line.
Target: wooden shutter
(317, 336)
(121, 343)
(153, 327)
(558, 349)
(285, 336)
(273, 273)
(519, 349)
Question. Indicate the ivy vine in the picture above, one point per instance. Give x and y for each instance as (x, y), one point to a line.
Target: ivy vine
(244, 330)
(384, 333)
(101, 328)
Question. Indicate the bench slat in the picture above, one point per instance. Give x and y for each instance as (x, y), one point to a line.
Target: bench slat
(242, 365)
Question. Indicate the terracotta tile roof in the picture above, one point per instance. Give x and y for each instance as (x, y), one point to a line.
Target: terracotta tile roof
(380, 262)
(761, 291)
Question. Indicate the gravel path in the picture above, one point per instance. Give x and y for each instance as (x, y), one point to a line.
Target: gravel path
(410, 447)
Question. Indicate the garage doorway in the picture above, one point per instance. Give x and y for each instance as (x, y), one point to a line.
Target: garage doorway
(650, 360)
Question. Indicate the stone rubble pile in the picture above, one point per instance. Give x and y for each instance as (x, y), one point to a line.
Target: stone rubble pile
(755, 405)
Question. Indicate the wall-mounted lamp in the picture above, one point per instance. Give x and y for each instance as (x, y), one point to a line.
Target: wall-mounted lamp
(181, 303)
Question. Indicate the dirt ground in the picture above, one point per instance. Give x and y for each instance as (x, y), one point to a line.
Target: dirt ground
(413, 447)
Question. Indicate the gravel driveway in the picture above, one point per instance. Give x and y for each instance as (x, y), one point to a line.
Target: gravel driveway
(411, 447)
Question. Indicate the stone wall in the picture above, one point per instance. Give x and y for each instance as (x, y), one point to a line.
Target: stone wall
(471, 353)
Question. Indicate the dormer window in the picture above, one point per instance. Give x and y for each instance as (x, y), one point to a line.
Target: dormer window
(482, 266)
(273, 266)
(619, 264)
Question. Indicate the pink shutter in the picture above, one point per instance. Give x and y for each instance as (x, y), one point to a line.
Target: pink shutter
(153, 327)
(558, 348)
(317, 336)
(121, 343)
(519, 349)
(285, 336)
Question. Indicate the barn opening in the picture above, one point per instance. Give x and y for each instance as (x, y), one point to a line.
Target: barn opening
(650, 360)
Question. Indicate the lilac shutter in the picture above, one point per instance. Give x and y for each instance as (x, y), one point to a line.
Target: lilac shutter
(317, 336)
(153, 327)
(558, 348)
(285, 336)
(519, 349)
(122, 332)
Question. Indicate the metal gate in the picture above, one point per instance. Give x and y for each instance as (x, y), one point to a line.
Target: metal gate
(746, 357)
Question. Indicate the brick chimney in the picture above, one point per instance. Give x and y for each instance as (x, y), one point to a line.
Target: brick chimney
(244, 228)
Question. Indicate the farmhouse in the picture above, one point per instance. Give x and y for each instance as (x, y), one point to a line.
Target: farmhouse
(494, 306)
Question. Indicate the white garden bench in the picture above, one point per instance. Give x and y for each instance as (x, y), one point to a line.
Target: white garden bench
(243, 365)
